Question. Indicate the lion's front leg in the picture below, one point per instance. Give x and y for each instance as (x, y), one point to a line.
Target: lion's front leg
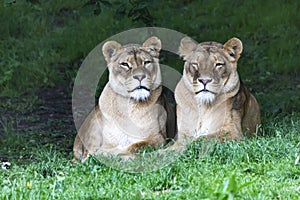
(84, 147)
(122, 152)
(89, 137)
(80, 152)
(231, 131)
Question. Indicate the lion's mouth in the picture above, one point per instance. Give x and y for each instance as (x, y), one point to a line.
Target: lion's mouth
(204, 91)
(140, 93)
(140, 87)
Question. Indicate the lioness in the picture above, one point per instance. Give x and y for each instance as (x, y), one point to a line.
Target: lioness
(131, 112)
(211, 99)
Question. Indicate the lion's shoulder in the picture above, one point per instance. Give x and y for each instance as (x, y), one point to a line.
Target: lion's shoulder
(240, 99)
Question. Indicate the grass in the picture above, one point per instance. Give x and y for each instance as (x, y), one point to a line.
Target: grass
(257, 168)
(42, 46)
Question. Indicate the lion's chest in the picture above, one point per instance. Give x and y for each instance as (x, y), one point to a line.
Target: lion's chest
(125, 124)
(128, 128)
(211, 120)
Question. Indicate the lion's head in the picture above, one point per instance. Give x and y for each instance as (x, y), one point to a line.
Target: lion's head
(134, 69)
(210, 68)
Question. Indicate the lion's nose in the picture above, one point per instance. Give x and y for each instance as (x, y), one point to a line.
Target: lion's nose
(139, 77)
(204, 81)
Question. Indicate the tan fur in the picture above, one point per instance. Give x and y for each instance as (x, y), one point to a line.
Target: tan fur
(226, 109)
(127, 118)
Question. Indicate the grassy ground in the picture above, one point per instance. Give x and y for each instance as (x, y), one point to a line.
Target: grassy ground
(259, 168)
(42, 44)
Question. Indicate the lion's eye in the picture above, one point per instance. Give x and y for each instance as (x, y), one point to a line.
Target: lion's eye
(193, 68)
(125, 65)
(219, 65)
(195, 65)
(146, 62)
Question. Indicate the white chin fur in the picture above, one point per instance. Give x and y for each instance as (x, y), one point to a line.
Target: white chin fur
(140, 95)
(205, 98)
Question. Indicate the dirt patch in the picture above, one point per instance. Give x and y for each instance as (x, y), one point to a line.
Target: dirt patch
(52, 112)
(49, 123)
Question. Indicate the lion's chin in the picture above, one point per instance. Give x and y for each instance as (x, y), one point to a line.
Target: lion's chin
(140, 95)
(205, 98)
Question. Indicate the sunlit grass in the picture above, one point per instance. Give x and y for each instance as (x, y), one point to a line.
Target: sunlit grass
(262, 167)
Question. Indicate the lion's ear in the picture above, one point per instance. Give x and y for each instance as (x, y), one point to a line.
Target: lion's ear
(109, 49)
(153, 46)
(234, 48)
(187, 45)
